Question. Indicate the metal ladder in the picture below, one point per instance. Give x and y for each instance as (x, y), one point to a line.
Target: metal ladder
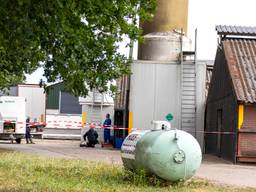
(188, 92)
(188, 97)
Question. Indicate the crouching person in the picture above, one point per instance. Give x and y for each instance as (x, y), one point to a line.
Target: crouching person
(91, 136)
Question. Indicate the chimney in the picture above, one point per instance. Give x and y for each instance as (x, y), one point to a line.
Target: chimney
(159, 41)
(170, 15)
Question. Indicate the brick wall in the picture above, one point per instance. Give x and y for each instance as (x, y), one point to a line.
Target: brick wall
(247, 144)
(247, 134)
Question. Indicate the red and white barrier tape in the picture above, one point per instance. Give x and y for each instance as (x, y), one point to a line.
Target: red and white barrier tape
(216, 132)
(140, 129)
(99, 126)
(105, 127)
(21, 123)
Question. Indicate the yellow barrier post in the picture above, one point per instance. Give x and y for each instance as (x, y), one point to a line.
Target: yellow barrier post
(130, 122)
(83, 119)
(42, 118)
(240, 115)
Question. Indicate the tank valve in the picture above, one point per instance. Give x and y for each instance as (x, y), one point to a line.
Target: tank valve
(179, 156)
(176, 137)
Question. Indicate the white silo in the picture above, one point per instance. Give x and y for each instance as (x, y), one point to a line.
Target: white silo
(166, 78)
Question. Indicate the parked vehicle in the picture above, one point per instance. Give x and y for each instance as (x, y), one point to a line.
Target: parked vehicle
(13, 119)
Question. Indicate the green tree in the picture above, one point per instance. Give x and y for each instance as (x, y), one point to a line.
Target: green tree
(74, 41)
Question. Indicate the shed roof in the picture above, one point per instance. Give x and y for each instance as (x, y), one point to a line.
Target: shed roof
(241, 60)
(235, 30)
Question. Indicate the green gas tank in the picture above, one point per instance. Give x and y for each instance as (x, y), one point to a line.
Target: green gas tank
(173, 155)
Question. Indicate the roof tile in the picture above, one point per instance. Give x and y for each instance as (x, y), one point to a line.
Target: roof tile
(241, 60)
(235, 30)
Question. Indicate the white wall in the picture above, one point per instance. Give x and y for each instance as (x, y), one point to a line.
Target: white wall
(201, 101)
(35, 100)
(52, 111)
(154, 92)
(96, 115)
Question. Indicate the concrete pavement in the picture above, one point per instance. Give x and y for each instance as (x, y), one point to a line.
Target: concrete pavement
(213, 169)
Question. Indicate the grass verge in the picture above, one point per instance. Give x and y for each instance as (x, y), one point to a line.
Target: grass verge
(23, 172)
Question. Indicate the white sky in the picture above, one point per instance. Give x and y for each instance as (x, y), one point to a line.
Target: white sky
(204, 15)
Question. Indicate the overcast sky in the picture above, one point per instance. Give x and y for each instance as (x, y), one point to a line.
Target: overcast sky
(204, 15)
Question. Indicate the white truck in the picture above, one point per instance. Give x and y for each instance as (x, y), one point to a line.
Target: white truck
(35, 99)
(13, 118)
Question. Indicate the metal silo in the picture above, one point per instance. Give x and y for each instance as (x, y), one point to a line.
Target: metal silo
(170, 15)
(167, 78)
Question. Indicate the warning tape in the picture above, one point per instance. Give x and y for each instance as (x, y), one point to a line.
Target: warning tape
(115, 128)
(140, 129)
(100, 126)
(88, 125)
(21, 123)
(211, 132)
(56, 124)
(104, 127)
(36, 124)
(216, 132)
(75, 122)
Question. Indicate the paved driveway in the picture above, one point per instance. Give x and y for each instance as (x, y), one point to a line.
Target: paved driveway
(212, 168)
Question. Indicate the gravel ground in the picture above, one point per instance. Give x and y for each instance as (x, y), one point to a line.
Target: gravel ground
(213, 169)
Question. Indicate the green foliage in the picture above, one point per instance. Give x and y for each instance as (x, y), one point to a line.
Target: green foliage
(23, 172)
(75, 41)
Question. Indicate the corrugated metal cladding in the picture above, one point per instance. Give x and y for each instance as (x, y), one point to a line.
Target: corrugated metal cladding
(69, 104)
(221, 112)
(155, 91)
(121, 98)
(235, 30)
(121, 104)
(209, 70)
(241, 59)
(52, 98)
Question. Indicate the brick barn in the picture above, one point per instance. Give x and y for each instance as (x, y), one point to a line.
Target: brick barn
(230, 124)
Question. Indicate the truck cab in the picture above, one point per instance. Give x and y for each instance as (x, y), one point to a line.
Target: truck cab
(12, 118)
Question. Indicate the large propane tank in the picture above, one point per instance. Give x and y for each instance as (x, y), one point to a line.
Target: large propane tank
(173, 155)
